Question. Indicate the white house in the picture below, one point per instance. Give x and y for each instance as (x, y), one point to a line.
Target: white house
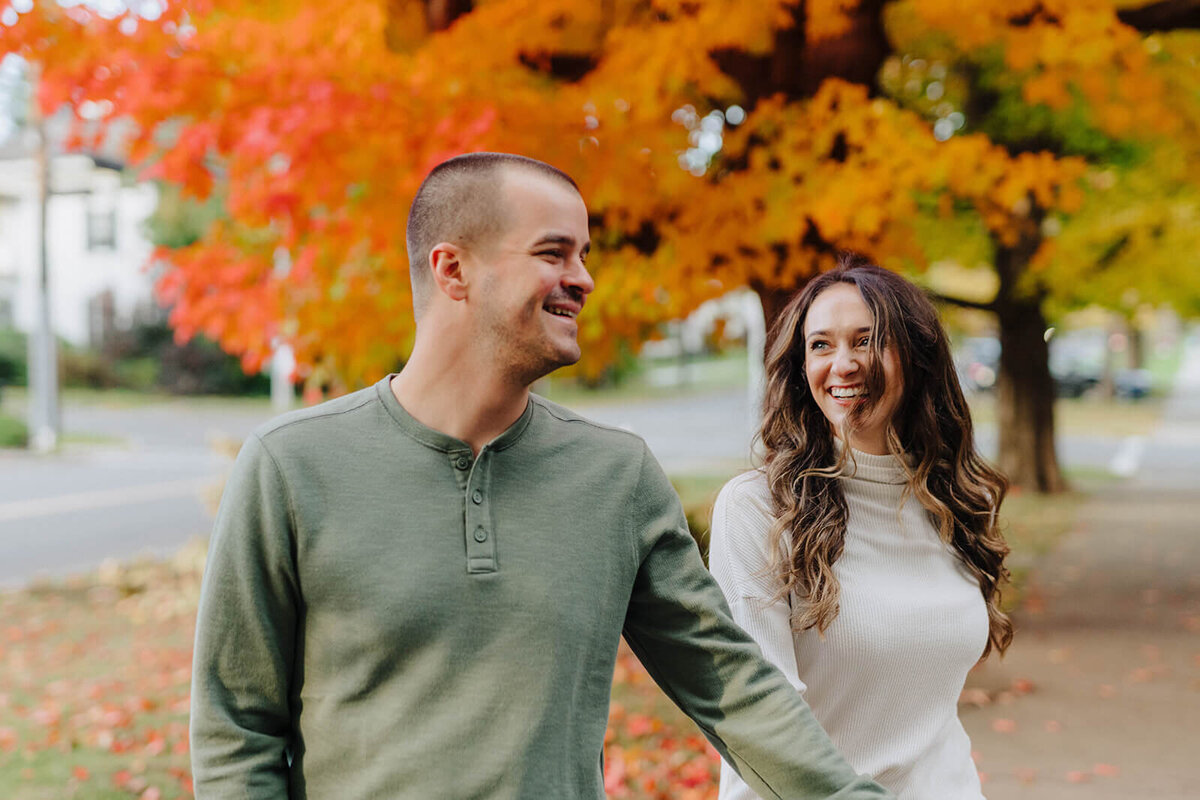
(96, 249)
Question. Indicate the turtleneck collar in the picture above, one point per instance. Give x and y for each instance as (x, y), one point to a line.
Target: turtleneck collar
(876, 469)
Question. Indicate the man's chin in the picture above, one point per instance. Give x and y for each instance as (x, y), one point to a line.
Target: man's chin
(552, 363)
(565, 359)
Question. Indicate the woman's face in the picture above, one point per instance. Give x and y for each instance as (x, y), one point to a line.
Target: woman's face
(837, 353)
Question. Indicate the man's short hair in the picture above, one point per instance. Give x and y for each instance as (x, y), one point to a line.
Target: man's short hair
(460, 201)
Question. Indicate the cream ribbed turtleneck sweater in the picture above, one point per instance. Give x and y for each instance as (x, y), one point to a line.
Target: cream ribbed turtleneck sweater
(885, 680)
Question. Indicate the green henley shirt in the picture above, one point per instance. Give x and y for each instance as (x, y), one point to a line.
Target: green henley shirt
(386, 615)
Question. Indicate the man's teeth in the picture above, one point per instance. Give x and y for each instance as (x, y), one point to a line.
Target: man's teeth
(857, 391)
(561, 312)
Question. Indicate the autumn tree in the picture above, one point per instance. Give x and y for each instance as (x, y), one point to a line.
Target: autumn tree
(719, 143)
(1073, 84)
(316, 123)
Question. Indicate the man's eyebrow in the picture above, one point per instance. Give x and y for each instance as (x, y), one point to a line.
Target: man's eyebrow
(864, 329)
(562, 239)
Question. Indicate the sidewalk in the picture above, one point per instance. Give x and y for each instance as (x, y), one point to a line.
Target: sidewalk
(1099, 696)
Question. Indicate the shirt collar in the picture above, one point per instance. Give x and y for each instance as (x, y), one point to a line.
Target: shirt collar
(435, 439)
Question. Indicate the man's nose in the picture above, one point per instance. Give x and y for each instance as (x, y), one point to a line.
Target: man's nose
(579, 278)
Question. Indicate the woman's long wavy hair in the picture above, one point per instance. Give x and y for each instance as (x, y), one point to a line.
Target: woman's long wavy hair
(931, 429)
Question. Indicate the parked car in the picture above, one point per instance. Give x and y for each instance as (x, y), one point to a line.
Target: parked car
(1132, 384)
(1073, 382)
(1077, 361)
(977, 360)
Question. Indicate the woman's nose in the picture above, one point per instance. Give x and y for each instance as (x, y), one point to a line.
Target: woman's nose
(845, 361)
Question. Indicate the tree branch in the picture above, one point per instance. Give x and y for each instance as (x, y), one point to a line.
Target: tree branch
(938, 297)
(1166, 15)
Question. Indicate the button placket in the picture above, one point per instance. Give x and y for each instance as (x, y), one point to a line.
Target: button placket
(461, 463)
(480, 538)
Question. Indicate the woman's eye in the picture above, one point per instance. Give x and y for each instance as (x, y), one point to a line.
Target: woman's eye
(863, 342)
(817, 346)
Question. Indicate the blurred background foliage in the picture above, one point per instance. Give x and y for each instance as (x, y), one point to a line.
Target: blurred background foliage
(1050, 143)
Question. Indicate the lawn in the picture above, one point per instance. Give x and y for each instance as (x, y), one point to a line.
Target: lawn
(94, 683)
(94, 689)
(95, 672)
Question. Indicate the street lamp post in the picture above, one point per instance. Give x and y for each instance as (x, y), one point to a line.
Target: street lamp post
(44, 422)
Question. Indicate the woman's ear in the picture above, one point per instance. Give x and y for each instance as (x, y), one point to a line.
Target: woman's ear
(446, 265)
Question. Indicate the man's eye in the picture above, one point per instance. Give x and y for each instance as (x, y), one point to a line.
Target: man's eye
(551, 253)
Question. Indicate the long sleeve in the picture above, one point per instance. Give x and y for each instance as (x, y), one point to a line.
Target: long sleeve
(246, 638)
(681, 628)
(741, 560)
(884, 677)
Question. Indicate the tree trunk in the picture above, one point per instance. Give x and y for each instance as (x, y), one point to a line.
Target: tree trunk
(1137, 345)
(774, 300)
(1024, 388)
(796, 67)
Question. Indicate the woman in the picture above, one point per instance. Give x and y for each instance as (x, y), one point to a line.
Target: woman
(864, 556)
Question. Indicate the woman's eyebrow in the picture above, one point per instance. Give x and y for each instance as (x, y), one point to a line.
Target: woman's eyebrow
(824, 332)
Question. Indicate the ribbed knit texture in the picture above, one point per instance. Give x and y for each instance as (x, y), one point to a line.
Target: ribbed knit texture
(386, 614)
(885, 679)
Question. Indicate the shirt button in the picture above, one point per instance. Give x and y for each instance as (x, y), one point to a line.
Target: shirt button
(480, 535)
(463, 462)
(477, 497)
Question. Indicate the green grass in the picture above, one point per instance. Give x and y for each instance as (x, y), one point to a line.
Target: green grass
(91, 439)
(13, 432)
(1087, 415)
(1163, 365)
(16, 398)
(697, 492)
(94, 674)
(94, 683)
(1033, 524)
(653, 380)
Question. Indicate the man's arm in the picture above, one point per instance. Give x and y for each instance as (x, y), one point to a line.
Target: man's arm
(246, 638)
(680, 627)
(740, 559)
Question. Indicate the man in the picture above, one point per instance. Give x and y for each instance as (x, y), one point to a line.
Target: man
(417, 590)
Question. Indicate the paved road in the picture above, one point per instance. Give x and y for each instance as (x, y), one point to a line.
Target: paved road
(1099, 696)
(67, 512)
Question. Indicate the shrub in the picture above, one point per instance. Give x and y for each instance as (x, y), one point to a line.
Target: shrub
(13, 432)
(86, 369)
(13, 358)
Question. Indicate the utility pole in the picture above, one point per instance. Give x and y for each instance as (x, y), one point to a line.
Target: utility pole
(283, 361)
(756, 353)
(44, 423)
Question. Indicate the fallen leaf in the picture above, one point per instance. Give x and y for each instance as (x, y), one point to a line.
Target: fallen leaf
(1004, 725)
(1025, 775)
(1023, 686)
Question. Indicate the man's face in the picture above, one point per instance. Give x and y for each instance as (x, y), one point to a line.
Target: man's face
(533, 281)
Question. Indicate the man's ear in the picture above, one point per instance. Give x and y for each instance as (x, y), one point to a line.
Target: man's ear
(446, 265)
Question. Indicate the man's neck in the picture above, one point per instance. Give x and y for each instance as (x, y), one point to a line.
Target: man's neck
(459, 397)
